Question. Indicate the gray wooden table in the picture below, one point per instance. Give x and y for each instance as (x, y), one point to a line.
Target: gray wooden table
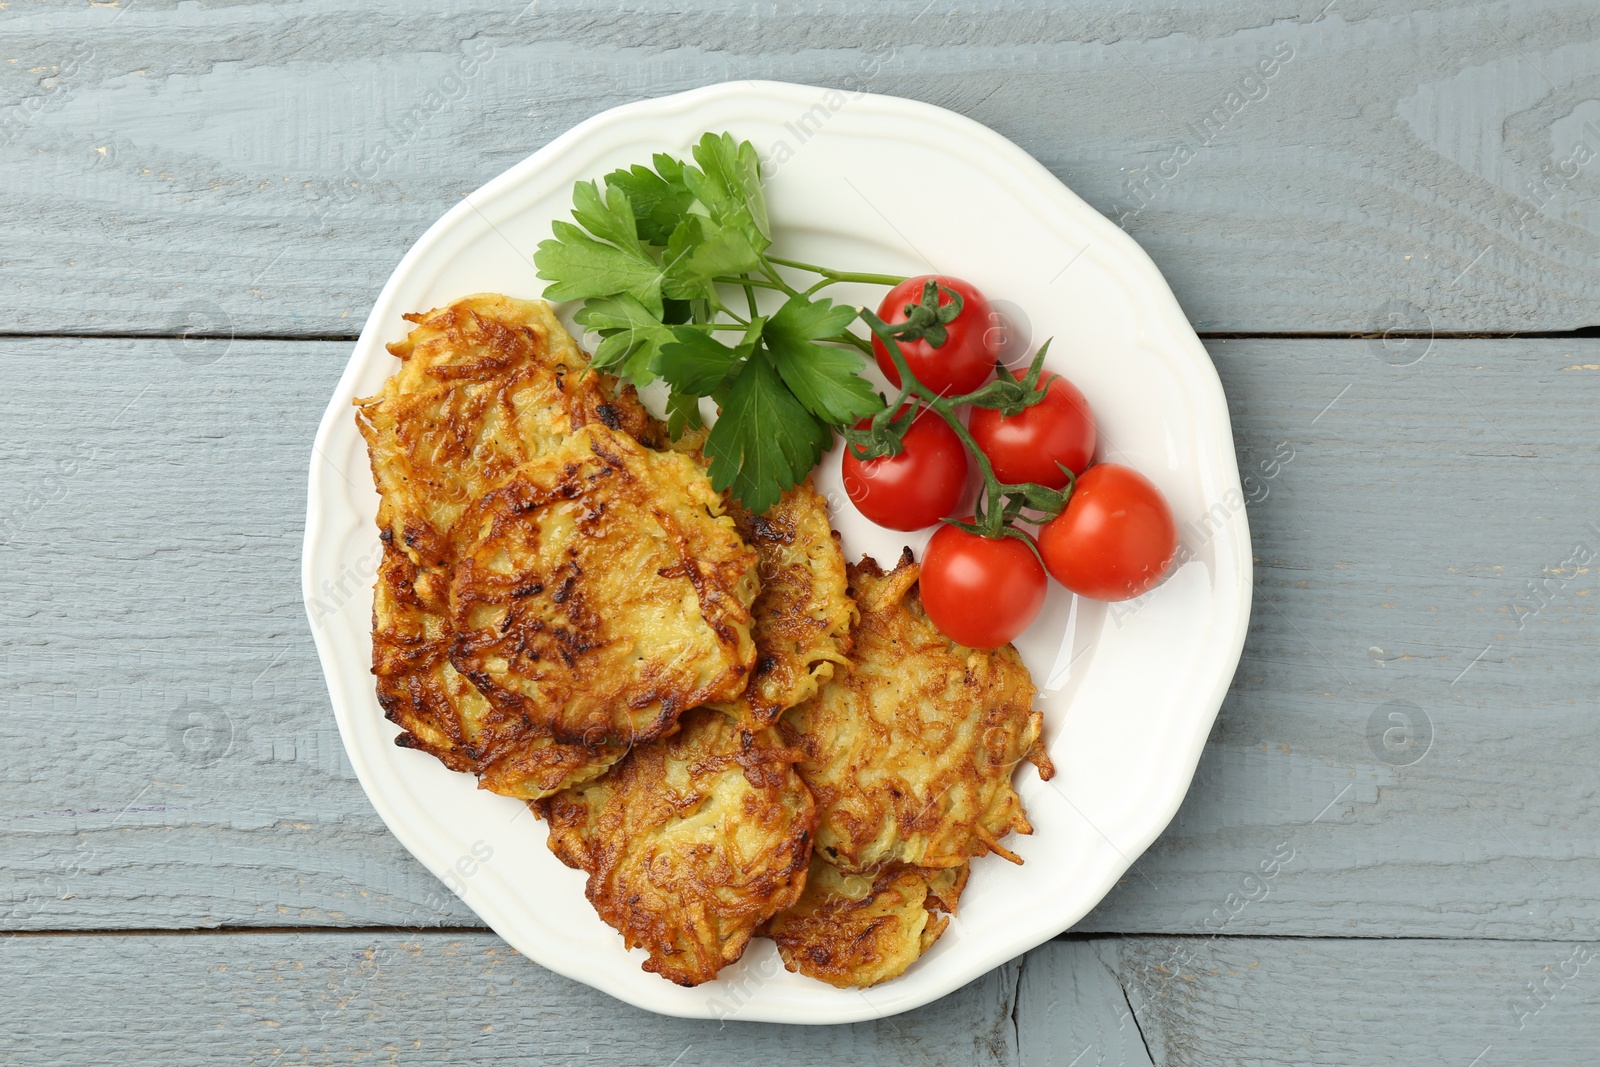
(1391, 248)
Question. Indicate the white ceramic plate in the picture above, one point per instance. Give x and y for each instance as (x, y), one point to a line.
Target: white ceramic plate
(1129, 691)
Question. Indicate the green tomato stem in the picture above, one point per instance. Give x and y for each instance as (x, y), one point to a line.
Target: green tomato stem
(848, 338)
(990, 514)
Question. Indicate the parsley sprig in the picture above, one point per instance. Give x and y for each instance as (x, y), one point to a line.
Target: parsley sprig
(654, 251)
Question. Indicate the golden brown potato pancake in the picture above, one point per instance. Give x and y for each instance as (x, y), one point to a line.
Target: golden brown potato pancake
(442, 713)
(862, 929)
(690, 843)
(605, 594)
(910, 753)
(803, 612)
(486, 384)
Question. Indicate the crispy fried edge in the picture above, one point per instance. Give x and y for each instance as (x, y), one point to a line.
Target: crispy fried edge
(404, 658)
(414, 693)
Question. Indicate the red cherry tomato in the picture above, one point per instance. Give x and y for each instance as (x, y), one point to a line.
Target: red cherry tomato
(965, 360)
(1027, 446)
(1115, 540)
(980, 592)
(915, 489)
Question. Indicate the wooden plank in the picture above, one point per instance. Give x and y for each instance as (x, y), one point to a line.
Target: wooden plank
(271, 1000)
(1072, 1009)
(162, 697)
(1292, 166)
(173, 762)
(1251, 1001)
(334, 997)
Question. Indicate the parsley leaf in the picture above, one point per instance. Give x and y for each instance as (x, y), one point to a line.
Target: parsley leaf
(659, 197)
(824, 378)
(695, 362)
(578, 267)
(610, 219)
(632, 337)
(764, 441)
(699, 251)
(729, 185)
(683, 412)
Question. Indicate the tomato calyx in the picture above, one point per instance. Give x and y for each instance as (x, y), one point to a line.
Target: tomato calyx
(926, 321)
(1000, 504)
(884, 434)
(1003, 504)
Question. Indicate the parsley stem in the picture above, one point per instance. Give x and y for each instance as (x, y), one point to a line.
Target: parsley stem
(746, 281)
(839, 275)
(749, 294)
(766, 266)
(717, 307)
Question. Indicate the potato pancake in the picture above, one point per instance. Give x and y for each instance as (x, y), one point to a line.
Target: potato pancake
(605, 594)
(804, 611)
(486, 384)
(862, 929)
(728, 729)
(690, 843)
(910, 753)
(442, 713)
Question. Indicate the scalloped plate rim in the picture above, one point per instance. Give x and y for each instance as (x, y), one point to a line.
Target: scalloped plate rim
(1151, 293)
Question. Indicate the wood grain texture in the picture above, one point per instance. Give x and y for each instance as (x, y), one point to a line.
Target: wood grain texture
(173, 761)
(260, 168)
(418, 998)
(1072, 1009)
(163, 701)
(1261, 1001)
(273, 1000)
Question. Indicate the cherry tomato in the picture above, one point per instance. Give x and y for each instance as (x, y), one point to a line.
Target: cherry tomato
(965, 360)
(1027, 446)
(1115, 540)
(917, 488)
(980, 592)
